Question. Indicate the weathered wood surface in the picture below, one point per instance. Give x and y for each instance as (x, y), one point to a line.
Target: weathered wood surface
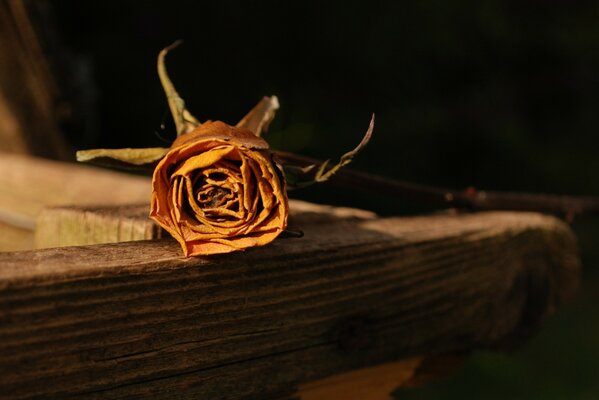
(29, 184)
(85, 225)
(15, 237)
(136, 320)
(77, 226)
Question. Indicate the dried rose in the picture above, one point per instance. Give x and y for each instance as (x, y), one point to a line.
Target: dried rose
(218, 190)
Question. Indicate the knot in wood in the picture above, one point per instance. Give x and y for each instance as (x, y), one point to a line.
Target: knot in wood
(354, 335)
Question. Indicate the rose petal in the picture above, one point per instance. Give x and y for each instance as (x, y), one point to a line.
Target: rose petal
(203, 160)
(217, 130)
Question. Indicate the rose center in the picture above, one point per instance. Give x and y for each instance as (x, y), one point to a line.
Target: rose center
(213, 197)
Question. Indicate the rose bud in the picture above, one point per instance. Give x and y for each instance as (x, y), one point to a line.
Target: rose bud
(218, 190)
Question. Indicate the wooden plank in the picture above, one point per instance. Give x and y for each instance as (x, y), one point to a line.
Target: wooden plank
(136, 320)
(15, 237)
(85, 225)
(367, 384)
(29, 184)
(378, 382)
(76, 226)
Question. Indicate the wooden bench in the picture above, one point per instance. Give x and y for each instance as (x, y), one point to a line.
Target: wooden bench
(359, 306)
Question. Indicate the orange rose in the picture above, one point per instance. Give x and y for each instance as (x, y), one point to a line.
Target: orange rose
(218, 190)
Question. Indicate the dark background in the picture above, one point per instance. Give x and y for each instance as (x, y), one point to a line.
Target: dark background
(493, 94)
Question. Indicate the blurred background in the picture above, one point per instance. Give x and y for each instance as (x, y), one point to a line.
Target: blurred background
(500, 95)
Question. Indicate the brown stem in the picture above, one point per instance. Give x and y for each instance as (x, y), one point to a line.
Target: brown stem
(567, 206)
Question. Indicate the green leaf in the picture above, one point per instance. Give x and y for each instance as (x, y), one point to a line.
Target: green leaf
(124, 158)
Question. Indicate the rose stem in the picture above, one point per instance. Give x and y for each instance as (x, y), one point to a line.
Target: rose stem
(567, 206)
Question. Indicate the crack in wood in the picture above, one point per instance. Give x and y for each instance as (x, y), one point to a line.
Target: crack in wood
(195, 371)
(182, 344)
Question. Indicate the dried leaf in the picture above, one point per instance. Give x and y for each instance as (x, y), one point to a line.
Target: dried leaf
(184, 120)
(302, 176)
(128, 158)
(258, 119)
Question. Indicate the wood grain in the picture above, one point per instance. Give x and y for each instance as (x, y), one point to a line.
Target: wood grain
(28, 185)
(76, 226)
(136, 320)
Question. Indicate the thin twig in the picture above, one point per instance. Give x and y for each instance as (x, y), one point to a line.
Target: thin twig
(565, 206)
